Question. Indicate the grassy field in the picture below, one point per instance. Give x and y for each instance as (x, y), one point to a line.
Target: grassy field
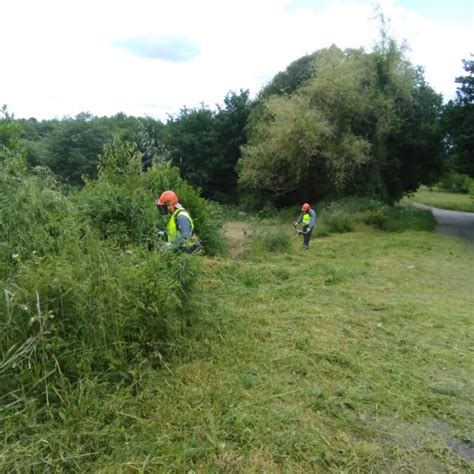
(354, 356)
(444, 200)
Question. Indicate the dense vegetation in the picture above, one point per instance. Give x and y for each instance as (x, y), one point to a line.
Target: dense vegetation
(362, 124)
(116, 356)
(86, 293)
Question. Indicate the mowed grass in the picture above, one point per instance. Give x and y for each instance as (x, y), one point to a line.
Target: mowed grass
(444, 199)
(354, 356)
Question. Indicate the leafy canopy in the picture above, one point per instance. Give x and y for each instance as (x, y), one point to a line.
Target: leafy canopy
(362, 124)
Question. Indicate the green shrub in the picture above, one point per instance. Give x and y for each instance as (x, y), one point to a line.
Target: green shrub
(471, 189)
(455, 182)
(121, 203)
(36, 218)
(342, 215)
(76, 305)
(275, 242)
(373, 217)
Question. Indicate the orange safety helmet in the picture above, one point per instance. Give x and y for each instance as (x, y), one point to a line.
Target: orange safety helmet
(305, 207)
(168, 199)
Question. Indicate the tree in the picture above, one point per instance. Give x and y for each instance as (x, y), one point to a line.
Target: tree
(294, 76)
(73, 147)
(149, 142)
(363, 124)
(232, 135)
(192, 145)
(458, 122)
(205, 144)
(10, 131)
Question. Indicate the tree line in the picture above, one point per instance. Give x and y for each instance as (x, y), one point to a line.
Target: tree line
(334, 123)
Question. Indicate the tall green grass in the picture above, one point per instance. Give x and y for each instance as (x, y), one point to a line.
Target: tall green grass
(346, 215)
(83, 297)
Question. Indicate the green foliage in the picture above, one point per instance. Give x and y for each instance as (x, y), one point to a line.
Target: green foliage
(37, 219)
(76, 306)
(348, 214)
(121, 203)
(10, 131)
(455, 183)
(404, 217)
(260, 242)
(363, 124)
(73, 147)
(70, 146)
(458, 121)
(205, 145)
(283, 145)
(90, 312)
(292, 78)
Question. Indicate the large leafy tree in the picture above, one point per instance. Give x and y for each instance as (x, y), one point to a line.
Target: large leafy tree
(363, 124)
(10, 130)
(71, 147)
(74, 146)
(231, 123)
(205, 144)
(458, 120)
(191, 143)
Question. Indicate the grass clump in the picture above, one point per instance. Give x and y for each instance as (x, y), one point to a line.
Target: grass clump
(405, 217)
(262, 242)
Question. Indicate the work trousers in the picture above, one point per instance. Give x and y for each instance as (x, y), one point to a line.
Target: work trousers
(306, 237)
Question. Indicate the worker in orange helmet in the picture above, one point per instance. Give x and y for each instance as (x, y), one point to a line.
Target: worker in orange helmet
(179, 231)
(307, 218)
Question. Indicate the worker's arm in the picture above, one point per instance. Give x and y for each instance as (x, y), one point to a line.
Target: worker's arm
(300, 218)
(312, 222)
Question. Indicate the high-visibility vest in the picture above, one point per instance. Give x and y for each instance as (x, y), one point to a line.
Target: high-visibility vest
(306, 218)
(172, 229)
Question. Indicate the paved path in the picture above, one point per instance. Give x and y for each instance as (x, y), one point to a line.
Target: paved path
(456, 223)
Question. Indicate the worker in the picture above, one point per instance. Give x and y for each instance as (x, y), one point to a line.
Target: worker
(307, 217)
(179, 231)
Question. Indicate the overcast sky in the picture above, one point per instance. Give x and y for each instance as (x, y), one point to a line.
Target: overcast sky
(151, 57)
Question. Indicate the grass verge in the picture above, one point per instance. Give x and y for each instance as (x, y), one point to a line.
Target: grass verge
(444, 200)
(355, 356)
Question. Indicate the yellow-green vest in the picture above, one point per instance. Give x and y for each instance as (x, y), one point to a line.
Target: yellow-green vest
(172, 229)
(306, 218)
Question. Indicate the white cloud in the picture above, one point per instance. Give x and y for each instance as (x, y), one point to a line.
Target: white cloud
(60, 58)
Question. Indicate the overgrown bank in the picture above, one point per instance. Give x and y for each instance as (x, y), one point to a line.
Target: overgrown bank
(355, 356)
(87, 293)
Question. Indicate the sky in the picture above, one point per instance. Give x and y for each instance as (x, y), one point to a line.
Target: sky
(153, 57)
